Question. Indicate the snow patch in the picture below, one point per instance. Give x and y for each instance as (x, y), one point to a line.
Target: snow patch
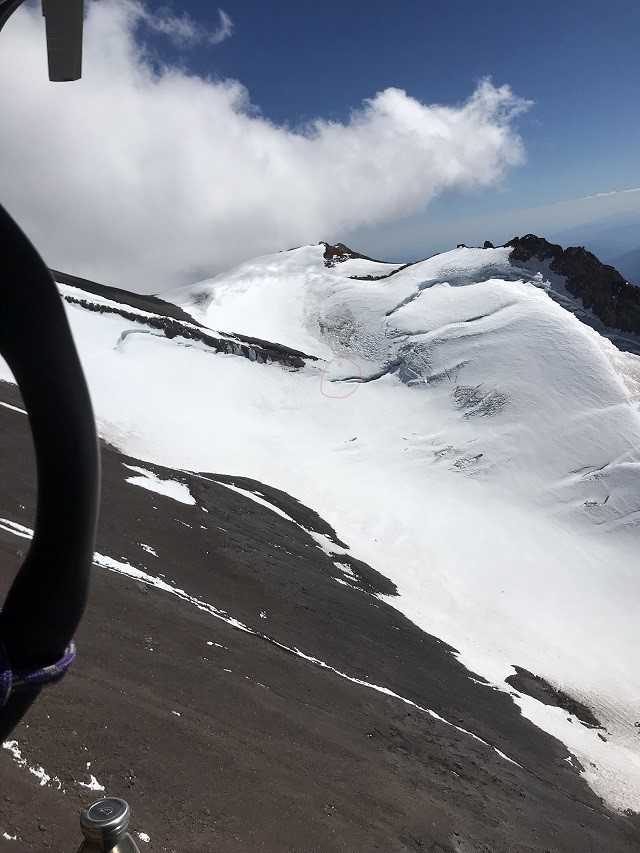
(44, 778)
(345, 569)
(254, 497)
(12, 408)
(168, 488)
(92, 784)
(15, 528)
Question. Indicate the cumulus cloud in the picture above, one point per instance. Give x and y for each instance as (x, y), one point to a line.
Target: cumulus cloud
(148, 178)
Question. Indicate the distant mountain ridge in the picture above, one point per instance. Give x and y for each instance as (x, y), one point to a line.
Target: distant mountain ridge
(629, 265)
(609, 239)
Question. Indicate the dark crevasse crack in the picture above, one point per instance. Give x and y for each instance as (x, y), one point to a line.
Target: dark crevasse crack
(408, 299)
(461, 280)
(389, 368)
(380, 277)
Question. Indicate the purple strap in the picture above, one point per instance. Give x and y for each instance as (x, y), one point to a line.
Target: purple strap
(11, 680)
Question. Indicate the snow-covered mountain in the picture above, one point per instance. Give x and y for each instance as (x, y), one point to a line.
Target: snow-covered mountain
(474, 442)
(458, 439)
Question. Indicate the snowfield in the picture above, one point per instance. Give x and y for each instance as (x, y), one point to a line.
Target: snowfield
(467, 437)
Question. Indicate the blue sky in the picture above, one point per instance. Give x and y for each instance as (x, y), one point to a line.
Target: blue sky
(578, 60)
(199, 137)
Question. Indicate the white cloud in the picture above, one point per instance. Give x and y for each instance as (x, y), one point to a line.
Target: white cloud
(224, 30)
(612, 193)
(182, 30)
(147, 178)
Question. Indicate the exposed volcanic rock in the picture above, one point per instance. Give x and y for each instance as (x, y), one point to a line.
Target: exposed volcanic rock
(173, 322)
(380, 277)
(540, 689)
(143, 301)
(337, 254)
(600, 287)
(241, 699)
(233, 344)
(300, 513)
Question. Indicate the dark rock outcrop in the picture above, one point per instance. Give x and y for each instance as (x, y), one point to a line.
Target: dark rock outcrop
(339, 253)
(600, 287)
(241, 698)
(540, 689)
(254, 349)
(143, 301)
